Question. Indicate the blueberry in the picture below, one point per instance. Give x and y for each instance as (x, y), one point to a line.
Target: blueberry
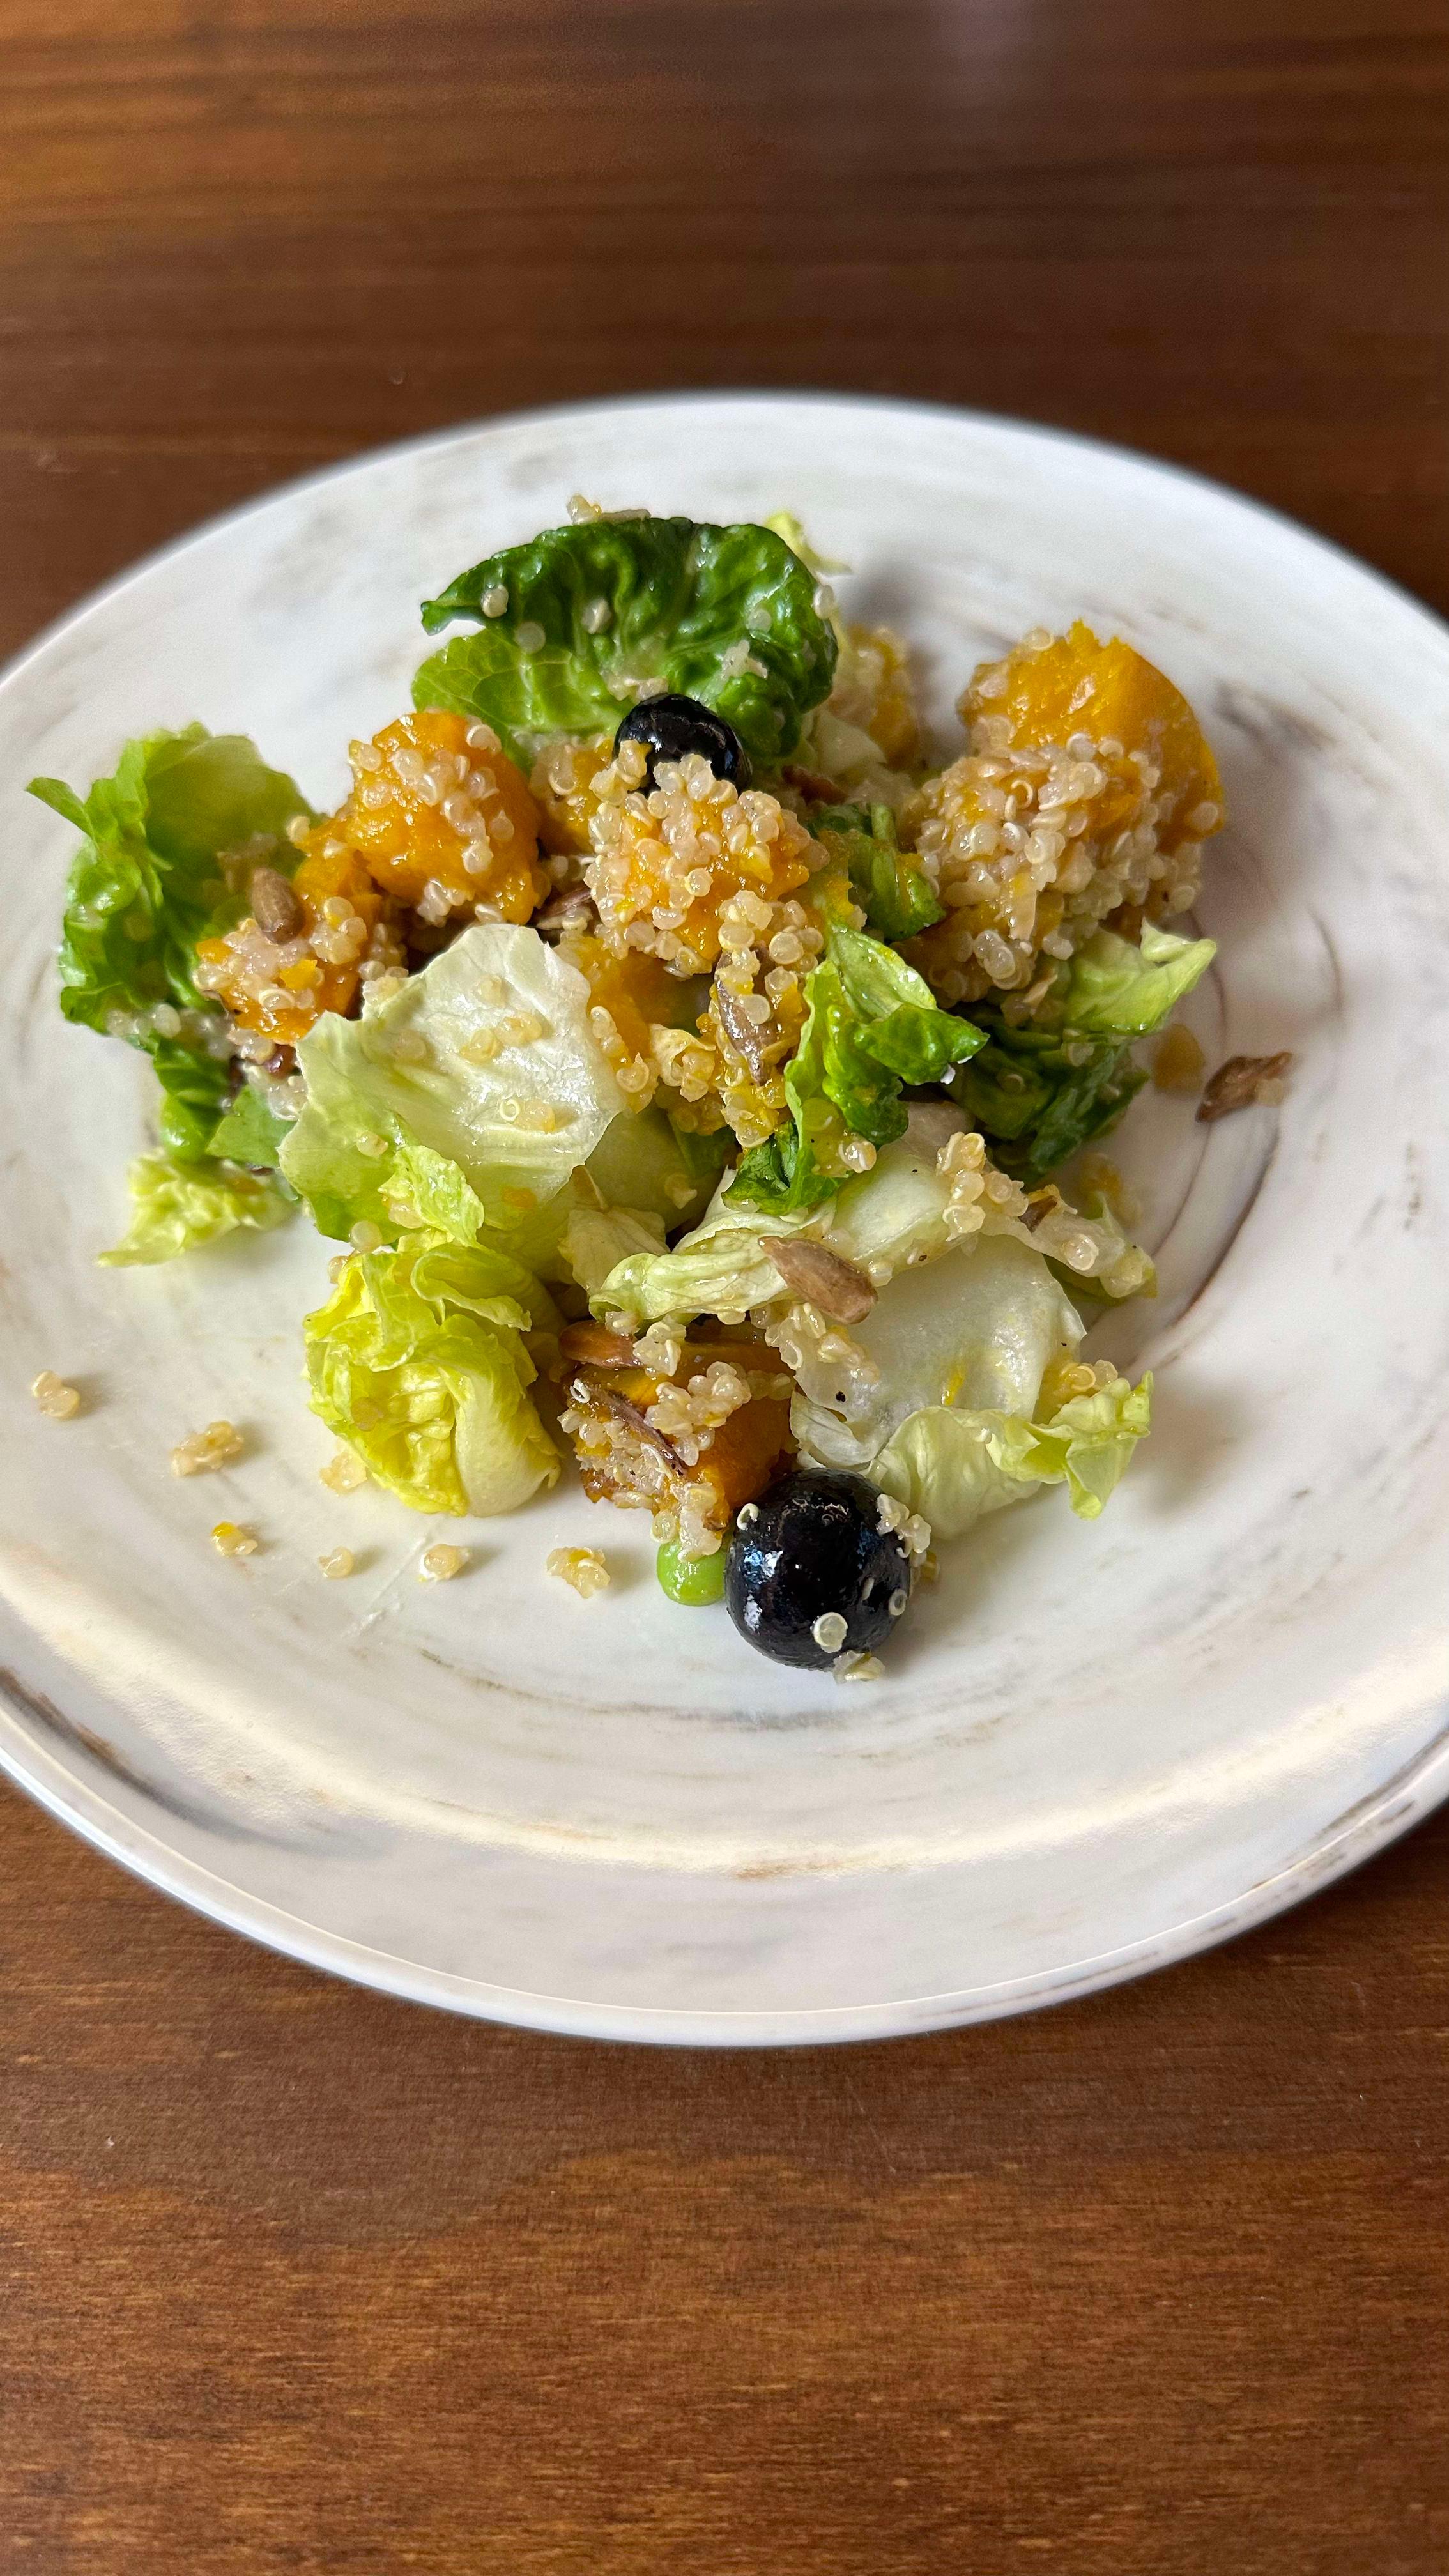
(670, 727)
(811, 1574)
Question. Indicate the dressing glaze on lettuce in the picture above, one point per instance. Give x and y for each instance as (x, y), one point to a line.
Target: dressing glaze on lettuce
(956, 1419)
(592, 613)
(418, 1361)
(149, 883)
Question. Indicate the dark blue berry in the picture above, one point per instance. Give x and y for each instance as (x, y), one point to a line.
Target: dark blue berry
(812, 1551)
(671, 727)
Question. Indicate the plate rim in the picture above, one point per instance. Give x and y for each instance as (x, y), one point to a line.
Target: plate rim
(1354, 1838)
(1375, 1821)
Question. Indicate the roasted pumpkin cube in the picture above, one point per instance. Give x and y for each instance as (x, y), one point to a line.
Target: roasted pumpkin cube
(690, 1447)
(445, 819)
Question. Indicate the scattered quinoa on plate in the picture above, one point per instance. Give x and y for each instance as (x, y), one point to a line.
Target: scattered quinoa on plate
(683, 1060)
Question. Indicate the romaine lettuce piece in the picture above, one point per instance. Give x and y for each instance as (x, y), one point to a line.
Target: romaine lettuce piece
(894, 892)
(1043, 1091)
(399, 1138)
(872, 1024)
(643, 1170)
(596, 1240)
(953, 1465)
(250, 1132)
(151, 881)
(724, 614)
(418, 1361)
(1114, 989)
(178, 1205)
(974, 1331)
(891, 1219)
(1040, 1095)
(486, 1060)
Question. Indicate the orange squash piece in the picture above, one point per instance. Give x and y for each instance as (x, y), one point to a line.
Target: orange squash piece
(1074, 684)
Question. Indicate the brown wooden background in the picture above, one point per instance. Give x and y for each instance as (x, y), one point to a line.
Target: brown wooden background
(295, 2278)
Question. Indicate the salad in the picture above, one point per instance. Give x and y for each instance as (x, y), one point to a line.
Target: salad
(684, 1061)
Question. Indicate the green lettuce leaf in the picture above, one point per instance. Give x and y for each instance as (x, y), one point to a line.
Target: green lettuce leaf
(723, 614)
(1040, 1097)
(596, 1240)
(954, 1466)
(892, 1218)
(892, 890)
(251, 1133)
(416, 1073)
(872, 1025)
(974, 1331)
(1091, 1255)
(1114, 989)
(1043, 1091)
(147, 885)
(418, 1361)
(400, 1139)
(178, 1205)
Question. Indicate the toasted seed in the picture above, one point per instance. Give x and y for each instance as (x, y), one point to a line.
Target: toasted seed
(572, 908)
(747, 1040)
(1242, 1081)
(275, 908)
(623, 1411)
(838, 1287)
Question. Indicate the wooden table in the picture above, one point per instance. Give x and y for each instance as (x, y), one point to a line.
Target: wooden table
(300, 2279)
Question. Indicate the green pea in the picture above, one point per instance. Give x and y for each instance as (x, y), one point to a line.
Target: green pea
(693, 1580)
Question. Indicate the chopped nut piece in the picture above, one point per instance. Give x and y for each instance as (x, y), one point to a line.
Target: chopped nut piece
(230, 1539)
(858, 1668)
(200, 1451)
(1243, 1081)
(343, 1473)
(1178, 1062)
(441, 1563)
(54, 1397)
(582, 1567)
(837, 1286)
(594, 1346)
(338, 1563)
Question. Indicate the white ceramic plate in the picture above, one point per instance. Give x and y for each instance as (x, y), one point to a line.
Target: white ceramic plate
(1097, 1747)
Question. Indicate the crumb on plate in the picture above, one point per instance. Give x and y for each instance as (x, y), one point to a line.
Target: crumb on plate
(582, 1567)
(216, 1446)
(55, 1399)
(230, 1539)
(441, 1563)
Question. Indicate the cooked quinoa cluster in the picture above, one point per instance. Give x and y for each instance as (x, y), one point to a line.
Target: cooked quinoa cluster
(1051, 825)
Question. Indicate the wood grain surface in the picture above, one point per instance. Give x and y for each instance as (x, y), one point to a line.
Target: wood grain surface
(297, 2278)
